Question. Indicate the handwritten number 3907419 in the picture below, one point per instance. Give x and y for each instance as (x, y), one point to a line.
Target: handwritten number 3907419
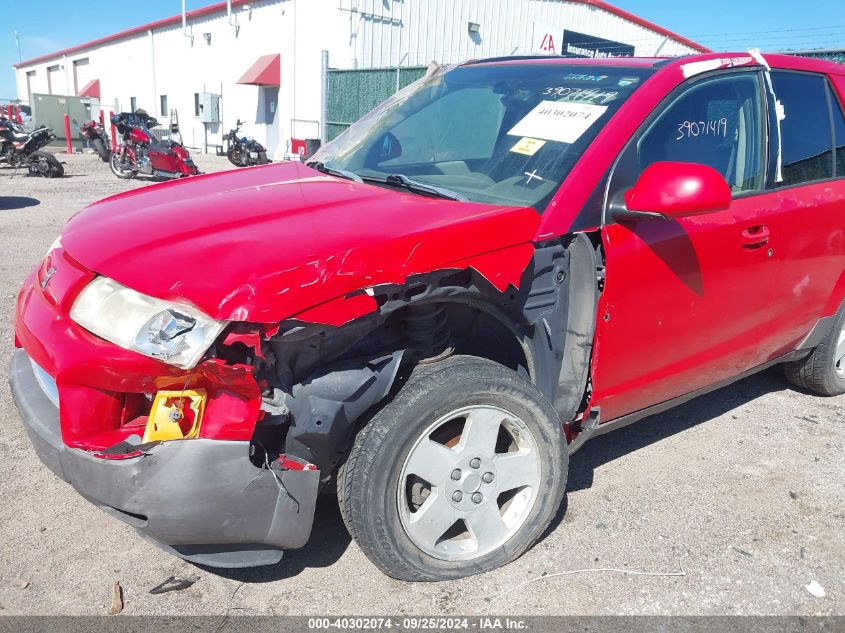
(692, 129)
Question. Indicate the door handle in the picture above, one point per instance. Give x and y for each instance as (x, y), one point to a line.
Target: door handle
(755, 237)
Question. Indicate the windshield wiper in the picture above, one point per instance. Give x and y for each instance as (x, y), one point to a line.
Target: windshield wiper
(401, 180)
(331, 171)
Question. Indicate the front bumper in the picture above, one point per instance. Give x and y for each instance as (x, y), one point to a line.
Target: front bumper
(201, 499)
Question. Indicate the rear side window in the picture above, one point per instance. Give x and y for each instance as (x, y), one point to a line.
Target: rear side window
(838, 135)
(807, 147)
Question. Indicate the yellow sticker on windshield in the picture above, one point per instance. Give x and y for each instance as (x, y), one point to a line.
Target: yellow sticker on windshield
(527, 146)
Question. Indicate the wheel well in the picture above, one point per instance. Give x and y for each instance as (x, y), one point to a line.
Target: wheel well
(476, 331)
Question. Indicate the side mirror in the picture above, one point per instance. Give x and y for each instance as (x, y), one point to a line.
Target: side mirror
(389, 148)
(674, 190)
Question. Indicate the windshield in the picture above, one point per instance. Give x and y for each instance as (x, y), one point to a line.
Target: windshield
(494, 133)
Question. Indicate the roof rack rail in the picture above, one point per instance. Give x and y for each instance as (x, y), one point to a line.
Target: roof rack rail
(660, 63)
(507, 58)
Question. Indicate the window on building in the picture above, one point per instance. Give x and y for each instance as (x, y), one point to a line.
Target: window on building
(133, 104)
(164, 110)
(838, 134)
(716, 122)
(52, 72)
(196, 104)
(79, 66)
(807, 148)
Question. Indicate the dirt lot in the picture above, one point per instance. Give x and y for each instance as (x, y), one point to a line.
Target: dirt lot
(743, 490)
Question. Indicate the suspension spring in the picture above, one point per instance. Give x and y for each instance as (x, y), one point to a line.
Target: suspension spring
(426, 328)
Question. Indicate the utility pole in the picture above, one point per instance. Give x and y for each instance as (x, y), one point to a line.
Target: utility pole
(18, 40)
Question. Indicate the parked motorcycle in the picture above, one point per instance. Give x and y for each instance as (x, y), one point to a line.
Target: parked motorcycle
(141, 153)
(19, 149)
(245, 151)
(98, 138)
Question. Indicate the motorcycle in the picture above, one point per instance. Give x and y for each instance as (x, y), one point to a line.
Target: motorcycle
(96, 135)
(19, 149)
(245, 151)
(141, 153)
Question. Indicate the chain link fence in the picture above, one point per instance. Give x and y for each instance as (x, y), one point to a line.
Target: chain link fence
(353, 93)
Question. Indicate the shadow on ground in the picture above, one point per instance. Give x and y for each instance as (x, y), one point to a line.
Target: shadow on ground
(10, 203)
(330, 539)
(328, 542)
(606, 448)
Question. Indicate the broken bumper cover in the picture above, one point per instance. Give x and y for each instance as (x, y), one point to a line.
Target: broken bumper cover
(200, 499)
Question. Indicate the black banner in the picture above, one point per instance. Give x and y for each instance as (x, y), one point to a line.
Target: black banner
(225, 623)
(577, 44)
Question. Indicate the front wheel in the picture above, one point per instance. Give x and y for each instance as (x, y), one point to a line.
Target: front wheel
(459, 474)
(120, 168)
(234, 157)
(101, 149)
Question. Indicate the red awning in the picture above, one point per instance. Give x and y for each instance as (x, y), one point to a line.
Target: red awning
(264, 72)
(91, 89)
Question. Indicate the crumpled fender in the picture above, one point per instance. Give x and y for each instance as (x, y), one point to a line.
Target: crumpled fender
(501, 268)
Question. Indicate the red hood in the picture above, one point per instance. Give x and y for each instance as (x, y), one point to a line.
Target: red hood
(266, 243)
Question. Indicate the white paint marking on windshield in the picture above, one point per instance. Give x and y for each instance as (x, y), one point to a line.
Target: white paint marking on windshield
(532, 175)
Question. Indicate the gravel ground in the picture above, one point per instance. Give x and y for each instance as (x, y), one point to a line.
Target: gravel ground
(742, 489)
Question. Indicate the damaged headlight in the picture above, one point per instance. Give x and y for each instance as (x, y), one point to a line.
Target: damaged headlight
(174, 333)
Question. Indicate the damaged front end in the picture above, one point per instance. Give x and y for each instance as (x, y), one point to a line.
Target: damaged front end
(166, 449)
(217, 450)
(221, 463)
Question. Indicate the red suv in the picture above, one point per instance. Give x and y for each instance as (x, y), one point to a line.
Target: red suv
(500, 262)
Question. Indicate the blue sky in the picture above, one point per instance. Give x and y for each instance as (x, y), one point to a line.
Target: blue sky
(48, 25)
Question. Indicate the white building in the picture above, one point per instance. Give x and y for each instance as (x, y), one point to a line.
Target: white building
(265, 58)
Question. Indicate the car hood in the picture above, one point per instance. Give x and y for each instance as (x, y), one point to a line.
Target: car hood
(263, 244)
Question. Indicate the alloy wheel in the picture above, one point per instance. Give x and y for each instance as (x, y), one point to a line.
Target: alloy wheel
(469, 483)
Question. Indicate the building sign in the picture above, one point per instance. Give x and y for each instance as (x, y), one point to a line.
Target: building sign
(575, 44)
(546, 39)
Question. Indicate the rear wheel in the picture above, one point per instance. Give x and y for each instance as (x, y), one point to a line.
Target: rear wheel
(46, 165)
(100, 147)
(823, 371)
(460, 473)
(262, 158)
(120, 168)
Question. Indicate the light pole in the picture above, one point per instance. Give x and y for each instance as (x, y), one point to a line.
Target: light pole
(18, 41)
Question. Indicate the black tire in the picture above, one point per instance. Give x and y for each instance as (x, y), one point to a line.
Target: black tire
(368, 480)
(47, 165)
(232, 155)
(262, 158)
(116, 168)
(822, 372)
(101, 149)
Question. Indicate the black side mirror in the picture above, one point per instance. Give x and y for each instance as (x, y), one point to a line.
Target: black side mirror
(389, 148)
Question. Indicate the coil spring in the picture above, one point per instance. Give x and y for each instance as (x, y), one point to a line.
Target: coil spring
(426, 329)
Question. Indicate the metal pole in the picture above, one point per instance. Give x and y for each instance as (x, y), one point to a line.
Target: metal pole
(324, 101)
(18, 40)
(68, 141)
(113, 132)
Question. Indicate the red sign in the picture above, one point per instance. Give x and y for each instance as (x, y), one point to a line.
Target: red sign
(298, 146)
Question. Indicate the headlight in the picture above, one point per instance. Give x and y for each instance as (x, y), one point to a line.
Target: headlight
(172, 332)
